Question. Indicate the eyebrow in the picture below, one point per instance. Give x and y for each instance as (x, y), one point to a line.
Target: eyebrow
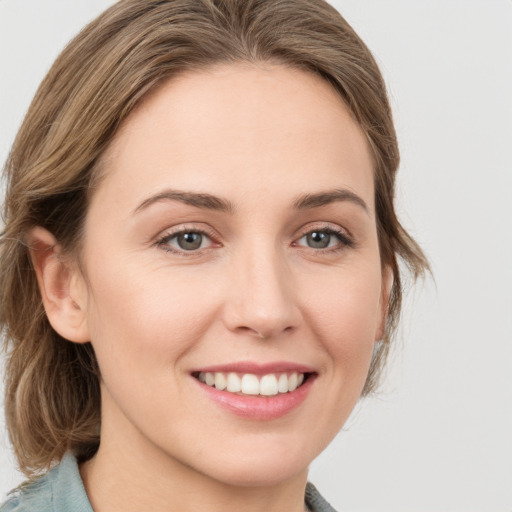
(211, 202)
(199, 200)
(308, 201)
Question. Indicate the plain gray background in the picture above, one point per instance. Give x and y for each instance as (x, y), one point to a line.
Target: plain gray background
(439, 436)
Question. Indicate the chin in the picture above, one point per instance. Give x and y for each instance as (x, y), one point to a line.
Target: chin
(261, 464)
(257, 474)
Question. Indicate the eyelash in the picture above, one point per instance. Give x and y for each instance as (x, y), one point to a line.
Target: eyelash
(163, 242)
(344, 240)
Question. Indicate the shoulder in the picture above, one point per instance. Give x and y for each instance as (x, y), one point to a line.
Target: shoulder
(60, 490)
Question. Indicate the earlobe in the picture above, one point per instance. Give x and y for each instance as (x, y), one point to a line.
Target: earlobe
(57, 285)
(387, 284)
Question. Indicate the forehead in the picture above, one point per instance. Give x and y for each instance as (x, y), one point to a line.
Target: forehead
(240, 129)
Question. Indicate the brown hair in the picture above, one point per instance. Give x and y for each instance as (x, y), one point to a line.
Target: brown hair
(52, 397)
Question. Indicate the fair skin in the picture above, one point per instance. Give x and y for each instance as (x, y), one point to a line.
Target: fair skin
(278, 273)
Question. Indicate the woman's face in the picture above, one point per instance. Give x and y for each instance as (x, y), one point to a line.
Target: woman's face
(233, 243)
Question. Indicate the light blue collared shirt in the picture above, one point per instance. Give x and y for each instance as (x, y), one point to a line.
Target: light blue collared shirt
(60, 490)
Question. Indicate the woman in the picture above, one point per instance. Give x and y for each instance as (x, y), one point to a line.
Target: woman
(200, 225)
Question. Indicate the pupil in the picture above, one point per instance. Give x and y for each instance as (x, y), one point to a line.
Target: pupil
(319, 239)
(190, 241)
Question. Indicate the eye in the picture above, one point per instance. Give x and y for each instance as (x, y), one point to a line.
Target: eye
(185, 241)
(326, 238)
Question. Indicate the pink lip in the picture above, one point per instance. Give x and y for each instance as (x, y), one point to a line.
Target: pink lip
(259, 407)
(257, 368)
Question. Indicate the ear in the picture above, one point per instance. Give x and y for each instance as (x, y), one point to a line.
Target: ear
(61, 285)
(387, 284)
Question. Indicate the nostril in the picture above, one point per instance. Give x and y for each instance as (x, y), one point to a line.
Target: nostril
(264, 333)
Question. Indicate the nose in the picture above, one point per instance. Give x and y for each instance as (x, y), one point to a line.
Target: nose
(262, 299)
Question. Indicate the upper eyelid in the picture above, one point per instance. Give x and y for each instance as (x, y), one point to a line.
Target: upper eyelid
(343, 237)
(185, 228)
(323, 226)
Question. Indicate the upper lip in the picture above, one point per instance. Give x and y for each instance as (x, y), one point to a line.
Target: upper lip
(257, 368)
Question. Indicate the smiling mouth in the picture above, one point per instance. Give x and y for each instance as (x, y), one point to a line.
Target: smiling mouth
(250, 384)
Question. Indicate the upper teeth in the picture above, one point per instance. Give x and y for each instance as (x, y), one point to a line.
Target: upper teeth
(250, 384)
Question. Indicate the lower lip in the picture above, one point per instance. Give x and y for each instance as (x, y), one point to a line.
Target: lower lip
(259, 407)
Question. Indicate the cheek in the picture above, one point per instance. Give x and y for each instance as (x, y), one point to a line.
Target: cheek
(139, 320)
(344, 309)
(343, 314)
